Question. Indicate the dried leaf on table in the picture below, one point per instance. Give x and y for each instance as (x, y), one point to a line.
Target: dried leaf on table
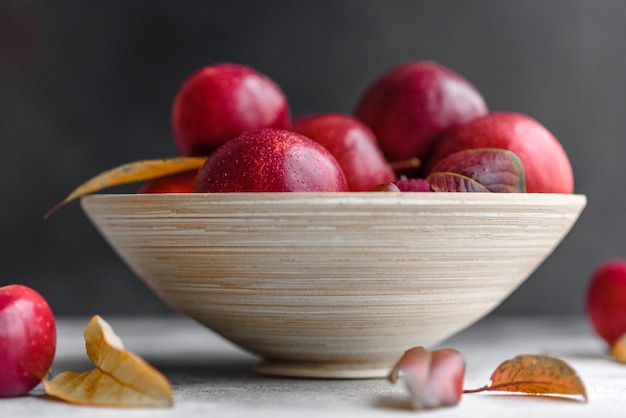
(618, 349)
(120, 377)
(130, 173)
(536, 375)
(433, 378)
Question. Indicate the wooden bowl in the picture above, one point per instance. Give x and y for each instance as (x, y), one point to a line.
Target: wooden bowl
(334, 285)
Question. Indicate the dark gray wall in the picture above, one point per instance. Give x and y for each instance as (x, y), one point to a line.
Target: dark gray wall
(85, 86)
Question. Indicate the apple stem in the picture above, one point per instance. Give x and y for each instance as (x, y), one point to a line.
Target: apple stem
(404, 164)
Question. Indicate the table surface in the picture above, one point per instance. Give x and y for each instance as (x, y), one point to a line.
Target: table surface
(211, 377)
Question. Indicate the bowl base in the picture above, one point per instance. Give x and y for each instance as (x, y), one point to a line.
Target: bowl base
(322, 370)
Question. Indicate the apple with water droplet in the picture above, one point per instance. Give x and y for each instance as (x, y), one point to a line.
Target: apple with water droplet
(271, 160)
(27, 339)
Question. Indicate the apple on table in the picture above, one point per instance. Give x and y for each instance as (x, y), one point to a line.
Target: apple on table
(27, 339)
(605, 300)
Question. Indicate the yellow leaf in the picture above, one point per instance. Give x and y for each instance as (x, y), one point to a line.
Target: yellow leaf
(618, 349)
(130, 173)
(536, 375)
(120, 378)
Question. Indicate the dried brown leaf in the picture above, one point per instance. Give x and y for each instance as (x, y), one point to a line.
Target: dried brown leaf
(536, 375)
(130, 173)
(120, 377)
(618, 349)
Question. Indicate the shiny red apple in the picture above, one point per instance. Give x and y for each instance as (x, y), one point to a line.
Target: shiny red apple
(547, 166)
(354, 146)
(220, 101)
(410, 105)
(27, 339)
(271, 160)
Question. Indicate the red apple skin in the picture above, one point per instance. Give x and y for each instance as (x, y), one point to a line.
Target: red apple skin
(271, 160)
(546, 165)
(353, 144)
(27, 339)
(410, 105)
(606, 300)
(175, 183)
(220, 101)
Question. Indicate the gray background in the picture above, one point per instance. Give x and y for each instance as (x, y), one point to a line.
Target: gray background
(85, 86)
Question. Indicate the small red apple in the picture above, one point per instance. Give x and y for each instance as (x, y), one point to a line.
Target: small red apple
(271, 160)
(175, 183)
(547, 167)
(27, 339)
(354, 146)
(606, 300)
(220, 101)
(410, 105)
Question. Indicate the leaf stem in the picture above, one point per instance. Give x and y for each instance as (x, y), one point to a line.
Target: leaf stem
(480, 389)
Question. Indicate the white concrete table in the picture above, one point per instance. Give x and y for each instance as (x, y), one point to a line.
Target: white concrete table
(212, 378)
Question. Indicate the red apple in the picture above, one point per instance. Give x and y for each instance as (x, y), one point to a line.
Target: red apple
(547, 167)
(354, 146)
(606, 300)
(271, 160)
(27, 339)
(410, 105)
(175, 183)
(218, 102)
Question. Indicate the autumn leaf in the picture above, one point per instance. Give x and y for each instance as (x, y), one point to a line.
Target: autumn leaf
(479, 170)
(433, 378)
(618, 349)
(454, 182)
(130, 173)
(120, 378)
(535, 375)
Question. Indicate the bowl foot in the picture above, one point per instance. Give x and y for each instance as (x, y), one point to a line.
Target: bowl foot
(323, 370)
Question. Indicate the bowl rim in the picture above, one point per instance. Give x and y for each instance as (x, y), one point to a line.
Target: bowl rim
(348, 198)
(426, 195)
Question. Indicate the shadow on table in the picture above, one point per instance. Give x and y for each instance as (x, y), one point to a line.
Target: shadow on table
(183, 367)
(208, 369)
